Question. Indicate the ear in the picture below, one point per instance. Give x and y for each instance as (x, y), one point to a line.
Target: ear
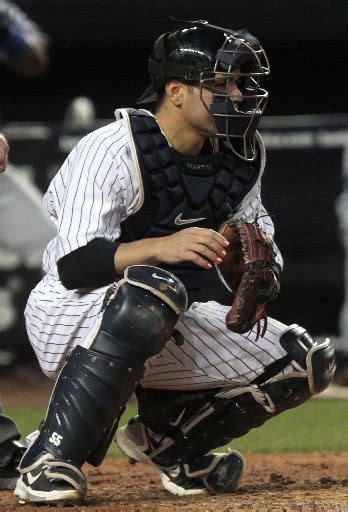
(174, 90)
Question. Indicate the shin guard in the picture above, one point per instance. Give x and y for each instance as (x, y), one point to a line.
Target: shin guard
(87, 400)
(95, 384)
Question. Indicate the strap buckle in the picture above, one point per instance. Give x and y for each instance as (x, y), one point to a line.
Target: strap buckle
(190, 73)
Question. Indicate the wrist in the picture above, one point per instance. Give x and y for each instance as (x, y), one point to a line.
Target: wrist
(141, 252)
(155, 245)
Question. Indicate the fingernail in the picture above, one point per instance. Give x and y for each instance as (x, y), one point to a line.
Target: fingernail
(223, 252)
(209, 265)
(219, 260)
(226, 242)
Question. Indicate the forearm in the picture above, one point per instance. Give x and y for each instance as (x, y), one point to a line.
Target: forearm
(90, 266)
(144, 252)
(100, 262)
(197, 245)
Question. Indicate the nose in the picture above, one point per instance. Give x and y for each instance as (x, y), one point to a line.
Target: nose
(236, 94)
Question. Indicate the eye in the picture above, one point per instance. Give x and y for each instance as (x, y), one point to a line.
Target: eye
(222, 83)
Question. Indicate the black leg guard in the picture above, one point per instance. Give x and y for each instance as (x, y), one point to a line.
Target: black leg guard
(95, 384)
(85, 403)
(193, 423)
(220, 416)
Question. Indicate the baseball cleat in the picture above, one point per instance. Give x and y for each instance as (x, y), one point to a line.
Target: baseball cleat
(212, 473)
(10, 456)
(50, 480)
(133, 441)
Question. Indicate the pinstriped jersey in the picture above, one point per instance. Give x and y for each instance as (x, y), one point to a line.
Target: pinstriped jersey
(99, 186)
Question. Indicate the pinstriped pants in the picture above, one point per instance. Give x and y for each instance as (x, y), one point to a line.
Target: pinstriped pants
(201, 354)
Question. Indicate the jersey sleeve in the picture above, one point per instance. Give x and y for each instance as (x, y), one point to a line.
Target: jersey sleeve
(89, 197)
(252, 210)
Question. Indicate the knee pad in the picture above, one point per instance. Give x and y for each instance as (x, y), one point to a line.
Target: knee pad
(314, 361)
(140, 318)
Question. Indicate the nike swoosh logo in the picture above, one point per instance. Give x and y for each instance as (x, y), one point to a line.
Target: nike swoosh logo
(179, 221)
(174, 472)
(31, 479)
(169, 280)
(179, 418)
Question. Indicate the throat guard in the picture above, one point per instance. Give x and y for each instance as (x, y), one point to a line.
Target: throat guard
(181, 192)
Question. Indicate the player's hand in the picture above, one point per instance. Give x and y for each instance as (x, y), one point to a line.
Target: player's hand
(3, 152)
(199, 245)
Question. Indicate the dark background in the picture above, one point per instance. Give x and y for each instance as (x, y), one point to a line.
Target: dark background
(100, 48)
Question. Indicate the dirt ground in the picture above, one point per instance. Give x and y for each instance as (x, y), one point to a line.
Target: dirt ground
(306, 482)
(282, 482)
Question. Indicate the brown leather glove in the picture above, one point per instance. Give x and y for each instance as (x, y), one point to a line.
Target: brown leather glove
(249, 269)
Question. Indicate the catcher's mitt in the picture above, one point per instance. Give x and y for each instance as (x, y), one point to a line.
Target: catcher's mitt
(249, 270)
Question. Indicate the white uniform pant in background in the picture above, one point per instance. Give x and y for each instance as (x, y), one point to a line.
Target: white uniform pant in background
(25, 227)
(341, 342)
(201, 354)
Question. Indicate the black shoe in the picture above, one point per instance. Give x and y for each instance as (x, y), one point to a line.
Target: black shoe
(10, 456)
(215, 472)
(50, 480)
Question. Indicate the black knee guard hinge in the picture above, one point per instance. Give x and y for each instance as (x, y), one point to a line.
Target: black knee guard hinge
(315, 360)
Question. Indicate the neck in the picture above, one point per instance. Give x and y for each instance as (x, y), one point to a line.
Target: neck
(181, 136)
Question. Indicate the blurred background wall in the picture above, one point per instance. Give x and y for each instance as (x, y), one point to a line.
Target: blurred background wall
(100, 48)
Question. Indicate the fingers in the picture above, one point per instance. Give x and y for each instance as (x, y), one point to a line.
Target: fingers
(213, 241)
(208, 254)
(197, 259)
(210, 234)
(3, 153)
(202, 245)
(199, 245)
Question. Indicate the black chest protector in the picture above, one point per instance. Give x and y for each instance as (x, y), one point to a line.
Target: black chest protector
(181, 192)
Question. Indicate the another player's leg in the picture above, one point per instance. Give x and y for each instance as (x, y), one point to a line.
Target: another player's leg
(94, 385)
(181, 427)
(11, 451)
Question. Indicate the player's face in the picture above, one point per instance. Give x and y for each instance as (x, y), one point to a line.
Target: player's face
(196, 108)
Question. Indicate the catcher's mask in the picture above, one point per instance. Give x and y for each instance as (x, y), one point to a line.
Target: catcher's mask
(217, 59)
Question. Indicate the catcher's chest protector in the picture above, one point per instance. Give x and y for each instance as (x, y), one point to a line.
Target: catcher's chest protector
(202, 190)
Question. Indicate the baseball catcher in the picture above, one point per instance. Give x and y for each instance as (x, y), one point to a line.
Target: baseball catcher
(146, 209)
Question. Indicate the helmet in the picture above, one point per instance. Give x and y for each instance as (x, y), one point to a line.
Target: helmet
(202, 53)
